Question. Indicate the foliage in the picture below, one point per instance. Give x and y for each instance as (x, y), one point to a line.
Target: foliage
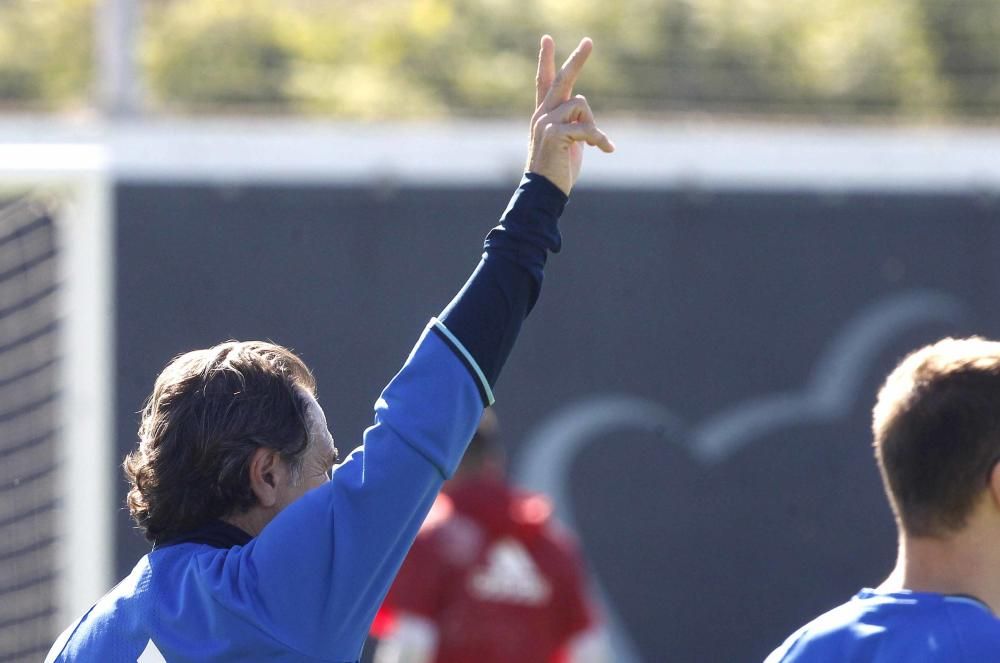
(966, 42)
(46, 52)
(426, 58)
(218, 53)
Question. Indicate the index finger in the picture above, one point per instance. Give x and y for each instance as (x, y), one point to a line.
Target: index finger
(562, 85)
(546, 69)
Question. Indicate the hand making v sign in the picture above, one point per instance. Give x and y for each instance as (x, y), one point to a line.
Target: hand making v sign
(561, 121)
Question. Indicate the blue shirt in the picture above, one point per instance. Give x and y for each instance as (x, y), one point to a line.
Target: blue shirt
(897, 627)
(308, 586)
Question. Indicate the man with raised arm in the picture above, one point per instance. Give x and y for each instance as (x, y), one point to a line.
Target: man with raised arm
(260, 552)
(937, 442)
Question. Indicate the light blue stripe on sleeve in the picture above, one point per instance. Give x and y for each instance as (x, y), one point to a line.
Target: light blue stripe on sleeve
(468, 357)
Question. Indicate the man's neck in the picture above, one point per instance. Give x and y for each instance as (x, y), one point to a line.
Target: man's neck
(960, 564)
(251, 521)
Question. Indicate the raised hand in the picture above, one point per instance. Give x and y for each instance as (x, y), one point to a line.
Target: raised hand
(562, 122)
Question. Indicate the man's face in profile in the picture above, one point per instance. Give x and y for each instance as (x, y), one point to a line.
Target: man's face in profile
(320, 456)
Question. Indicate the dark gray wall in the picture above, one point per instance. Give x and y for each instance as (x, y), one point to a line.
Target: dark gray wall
(772, 314)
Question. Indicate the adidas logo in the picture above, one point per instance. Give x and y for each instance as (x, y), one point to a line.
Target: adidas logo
(509, 576)
(150, 654)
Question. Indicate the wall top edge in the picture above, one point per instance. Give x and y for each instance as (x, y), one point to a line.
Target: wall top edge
(649, 155)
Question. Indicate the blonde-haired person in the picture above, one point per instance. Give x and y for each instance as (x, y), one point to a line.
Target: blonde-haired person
(936, 426)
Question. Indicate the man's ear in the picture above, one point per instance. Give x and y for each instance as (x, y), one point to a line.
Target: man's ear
(265, 467)
(993, 485)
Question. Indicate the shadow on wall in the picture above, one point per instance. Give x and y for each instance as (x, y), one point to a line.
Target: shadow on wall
(546, 462)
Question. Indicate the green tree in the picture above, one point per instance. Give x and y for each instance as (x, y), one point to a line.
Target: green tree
(207, 53)
(46, 53)
(965, 45)
(387, 59)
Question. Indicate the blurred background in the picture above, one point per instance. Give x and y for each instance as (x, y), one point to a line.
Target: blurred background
(802, 193)
(840, 61)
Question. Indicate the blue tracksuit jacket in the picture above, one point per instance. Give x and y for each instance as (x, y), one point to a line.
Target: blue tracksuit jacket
(308, 587)
(897, 627)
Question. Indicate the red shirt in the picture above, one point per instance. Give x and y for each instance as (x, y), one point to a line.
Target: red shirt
(500, 582)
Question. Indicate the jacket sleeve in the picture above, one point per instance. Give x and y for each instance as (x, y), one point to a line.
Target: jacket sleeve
(486, 314)
(314, 578)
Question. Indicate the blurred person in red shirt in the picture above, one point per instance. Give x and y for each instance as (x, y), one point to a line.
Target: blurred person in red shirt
(490, 578)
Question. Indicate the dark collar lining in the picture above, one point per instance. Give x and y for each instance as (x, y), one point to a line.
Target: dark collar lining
(217, 534)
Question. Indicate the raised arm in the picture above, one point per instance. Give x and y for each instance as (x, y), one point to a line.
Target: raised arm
(320, 569)
(486, 315)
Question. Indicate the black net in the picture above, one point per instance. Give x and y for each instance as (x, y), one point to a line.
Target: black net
(28, 425)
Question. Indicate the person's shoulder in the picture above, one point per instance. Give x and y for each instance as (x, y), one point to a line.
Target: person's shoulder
(863, 628)
(976, 627)
(441, 514)
(134, 584)
(534, 515)
(818, 637)
(91, 631)
(876, 627)
(448, 534)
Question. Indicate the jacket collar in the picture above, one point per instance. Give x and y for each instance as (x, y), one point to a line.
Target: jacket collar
(216, 533)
